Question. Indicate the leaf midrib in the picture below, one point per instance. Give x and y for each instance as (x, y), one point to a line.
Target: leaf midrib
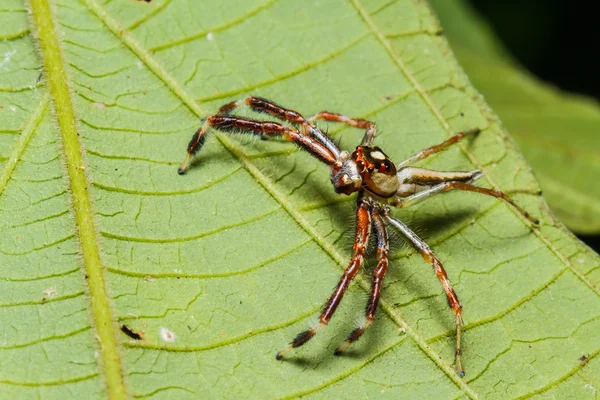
(56, 77)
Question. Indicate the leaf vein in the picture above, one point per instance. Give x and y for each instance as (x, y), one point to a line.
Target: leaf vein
(187, 238)
(220, 28)
(27, 132)
(212, 182)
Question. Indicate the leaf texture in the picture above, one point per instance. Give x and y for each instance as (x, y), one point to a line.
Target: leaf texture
(557, 131)
(218, 269)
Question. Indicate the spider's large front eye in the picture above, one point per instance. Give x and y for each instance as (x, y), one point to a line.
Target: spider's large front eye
(346, 177)
(361, 166)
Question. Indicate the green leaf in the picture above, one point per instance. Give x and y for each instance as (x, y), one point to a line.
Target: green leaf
(218, 269)
(557, 131)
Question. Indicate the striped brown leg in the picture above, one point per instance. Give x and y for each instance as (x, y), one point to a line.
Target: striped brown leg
(437, 148)
(441, 181)
(361, 240)
(440, 272)
(227, 123)
(490, 192)
(378, 274)
(266, 106)
(355, 122)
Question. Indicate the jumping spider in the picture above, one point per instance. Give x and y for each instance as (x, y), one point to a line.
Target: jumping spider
(379, 184)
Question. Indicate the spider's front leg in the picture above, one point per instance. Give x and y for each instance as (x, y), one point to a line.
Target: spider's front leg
(441, 274)
(361, 240)
(227, 123)
(378, 275)
(369, 126)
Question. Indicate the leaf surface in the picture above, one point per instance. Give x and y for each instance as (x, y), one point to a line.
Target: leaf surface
(557, 131)
(218, 269)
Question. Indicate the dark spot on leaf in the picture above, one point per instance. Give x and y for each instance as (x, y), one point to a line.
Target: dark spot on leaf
(131, 333)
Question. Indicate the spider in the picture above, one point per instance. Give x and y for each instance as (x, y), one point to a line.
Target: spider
(380, 185)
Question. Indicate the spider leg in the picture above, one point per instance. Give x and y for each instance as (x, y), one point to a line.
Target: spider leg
(494, 193)
(378, 275)
(361, 240)
(440, 272)
(227, 123)
(438, 182)
(266, 106)
(355, 122)
(437, 148)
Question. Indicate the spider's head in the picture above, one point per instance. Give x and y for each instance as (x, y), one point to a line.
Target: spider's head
(377, 171)
(345, 177)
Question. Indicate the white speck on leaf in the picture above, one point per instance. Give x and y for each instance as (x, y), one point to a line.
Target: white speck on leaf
(591, 387)
(50, 292)
(210, 36)
(7, 56)
(167, 335)
(12, 108)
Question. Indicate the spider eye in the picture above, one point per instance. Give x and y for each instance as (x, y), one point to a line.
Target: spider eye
(361, 166)
(384, 167)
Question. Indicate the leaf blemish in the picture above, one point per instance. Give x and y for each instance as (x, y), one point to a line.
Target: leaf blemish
(167, 335)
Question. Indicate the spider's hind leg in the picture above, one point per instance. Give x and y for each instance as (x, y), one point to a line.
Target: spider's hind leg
(441, 274)
(437, 182)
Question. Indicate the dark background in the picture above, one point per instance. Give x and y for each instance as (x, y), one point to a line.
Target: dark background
(557, 40)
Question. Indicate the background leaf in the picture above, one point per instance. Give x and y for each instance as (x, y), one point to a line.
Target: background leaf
(557, 131)
(220, 268)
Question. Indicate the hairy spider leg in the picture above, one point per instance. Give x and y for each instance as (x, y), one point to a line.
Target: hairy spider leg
(421, 176)
(265, 106)
(437, 148)
(441, 274)
(378, 275)
(494, 193)
(355, 122)
(263, 128)
(361, 240)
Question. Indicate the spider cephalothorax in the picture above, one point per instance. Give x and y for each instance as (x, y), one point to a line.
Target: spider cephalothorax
(379, 184)
(377, 171)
